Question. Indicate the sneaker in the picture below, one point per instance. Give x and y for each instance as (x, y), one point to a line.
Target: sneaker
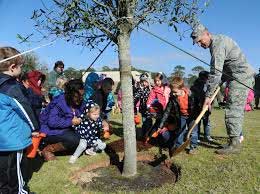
(90, 152)
(198, 141)
(192, 151)
(241, 138)
(208, 138)
(72, 159)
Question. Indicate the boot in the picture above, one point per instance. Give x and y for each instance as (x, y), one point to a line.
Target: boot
(234, 147)
(49, 150)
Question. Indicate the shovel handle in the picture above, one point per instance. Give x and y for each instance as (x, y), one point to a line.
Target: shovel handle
(202, 112)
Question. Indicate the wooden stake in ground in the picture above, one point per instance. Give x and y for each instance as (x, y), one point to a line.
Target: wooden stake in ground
(187, 142)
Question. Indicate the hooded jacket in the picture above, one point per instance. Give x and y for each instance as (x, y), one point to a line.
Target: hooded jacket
(15, 125)
(91, 79)
(161, 93)
(57, 117)
(11, 87)
(33, 78)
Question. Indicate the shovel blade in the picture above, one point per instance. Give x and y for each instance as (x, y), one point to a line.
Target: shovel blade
(181, 148)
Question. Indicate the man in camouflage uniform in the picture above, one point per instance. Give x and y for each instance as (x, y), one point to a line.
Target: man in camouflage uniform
(227, 57)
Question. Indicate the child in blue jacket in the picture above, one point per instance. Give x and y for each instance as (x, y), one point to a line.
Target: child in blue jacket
(16, 122)
(15, 136)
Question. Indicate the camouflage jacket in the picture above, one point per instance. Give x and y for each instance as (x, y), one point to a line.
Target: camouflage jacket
(226, 56)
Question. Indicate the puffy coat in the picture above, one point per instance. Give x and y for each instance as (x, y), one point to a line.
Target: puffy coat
(15, 125)
(160, 93)
(57, 117)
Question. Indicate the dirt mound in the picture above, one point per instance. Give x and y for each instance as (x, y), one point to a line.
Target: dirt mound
(104, 177)
(118, 146)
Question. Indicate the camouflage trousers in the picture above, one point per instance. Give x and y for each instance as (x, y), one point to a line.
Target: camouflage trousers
(234, 112)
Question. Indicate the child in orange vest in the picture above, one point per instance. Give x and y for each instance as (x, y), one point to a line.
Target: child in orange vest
(185, 101)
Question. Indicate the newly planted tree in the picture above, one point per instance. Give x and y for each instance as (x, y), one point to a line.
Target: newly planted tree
(91, 22)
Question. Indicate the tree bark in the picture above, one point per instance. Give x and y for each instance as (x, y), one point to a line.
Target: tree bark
(129, 168)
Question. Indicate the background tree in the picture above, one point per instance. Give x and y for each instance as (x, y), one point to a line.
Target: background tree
(106, 68)
(72, 73)
(178, 71)
(191, 78)
(31, 62)
(92, 69)
(194, 75)
(92, 22)
(197, 69)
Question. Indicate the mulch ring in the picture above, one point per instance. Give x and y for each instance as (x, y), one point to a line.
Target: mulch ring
(106, 177)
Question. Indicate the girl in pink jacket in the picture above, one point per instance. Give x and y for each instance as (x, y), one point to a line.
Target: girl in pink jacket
(160, 92)
(249, 101)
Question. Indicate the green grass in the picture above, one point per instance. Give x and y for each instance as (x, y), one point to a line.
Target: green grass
(204, 172)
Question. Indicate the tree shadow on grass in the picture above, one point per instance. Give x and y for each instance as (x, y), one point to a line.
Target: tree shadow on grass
(114, 157)
(219, 138)
(117, 146)
(31, 165)
(212, 145)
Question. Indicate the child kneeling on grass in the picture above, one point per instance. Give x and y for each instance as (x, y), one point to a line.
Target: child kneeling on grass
(89, 130)
(169, 123)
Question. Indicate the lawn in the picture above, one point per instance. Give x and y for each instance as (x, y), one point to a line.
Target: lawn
(204, 172)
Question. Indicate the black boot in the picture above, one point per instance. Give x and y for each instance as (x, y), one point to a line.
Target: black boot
(234, 147)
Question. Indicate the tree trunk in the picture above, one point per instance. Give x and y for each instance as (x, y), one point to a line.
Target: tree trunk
(127, 104)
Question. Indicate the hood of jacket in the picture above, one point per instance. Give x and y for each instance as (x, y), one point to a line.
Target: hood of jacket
(5, 78)
(33, 78)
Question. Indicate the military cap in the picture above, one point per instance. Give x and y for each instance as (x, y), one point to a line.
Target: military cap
(198, 30)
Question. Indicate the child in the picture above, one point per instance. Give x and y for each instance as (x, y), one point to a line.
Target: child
(103, 98)
(17, 120)
(183, 95)
(59, 89)
(33, 82)
(198, 90)
(89, 131)
(170, 122)
(9, 72)
(91, 85)
(141, 94)
(160, 92)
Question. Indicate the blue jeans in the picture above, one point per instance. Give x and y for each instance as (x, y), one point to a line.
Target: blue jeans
(186, 123)
(167, 138)
(69, 139)
(206, 126)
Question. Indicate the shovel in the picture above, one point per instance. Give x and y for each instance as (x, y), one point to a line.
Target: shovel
(187, 142)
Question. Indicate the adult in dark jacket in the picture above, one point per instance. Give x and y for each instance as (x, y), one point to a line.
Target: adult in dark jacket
(198, 90)
(100, 96)
(56, 73)
(58, 118)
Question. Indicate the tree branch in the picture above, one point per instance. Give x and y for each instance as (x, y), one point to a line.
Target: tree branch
(102, 28)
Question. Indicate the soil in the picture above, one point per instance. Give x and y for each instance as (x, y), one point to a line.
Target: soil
(106, 176)
(110, 179)
(118, 146)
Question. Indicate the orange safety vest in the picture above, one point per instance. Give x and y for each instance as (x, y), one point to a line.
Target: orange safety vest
(184, 102)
